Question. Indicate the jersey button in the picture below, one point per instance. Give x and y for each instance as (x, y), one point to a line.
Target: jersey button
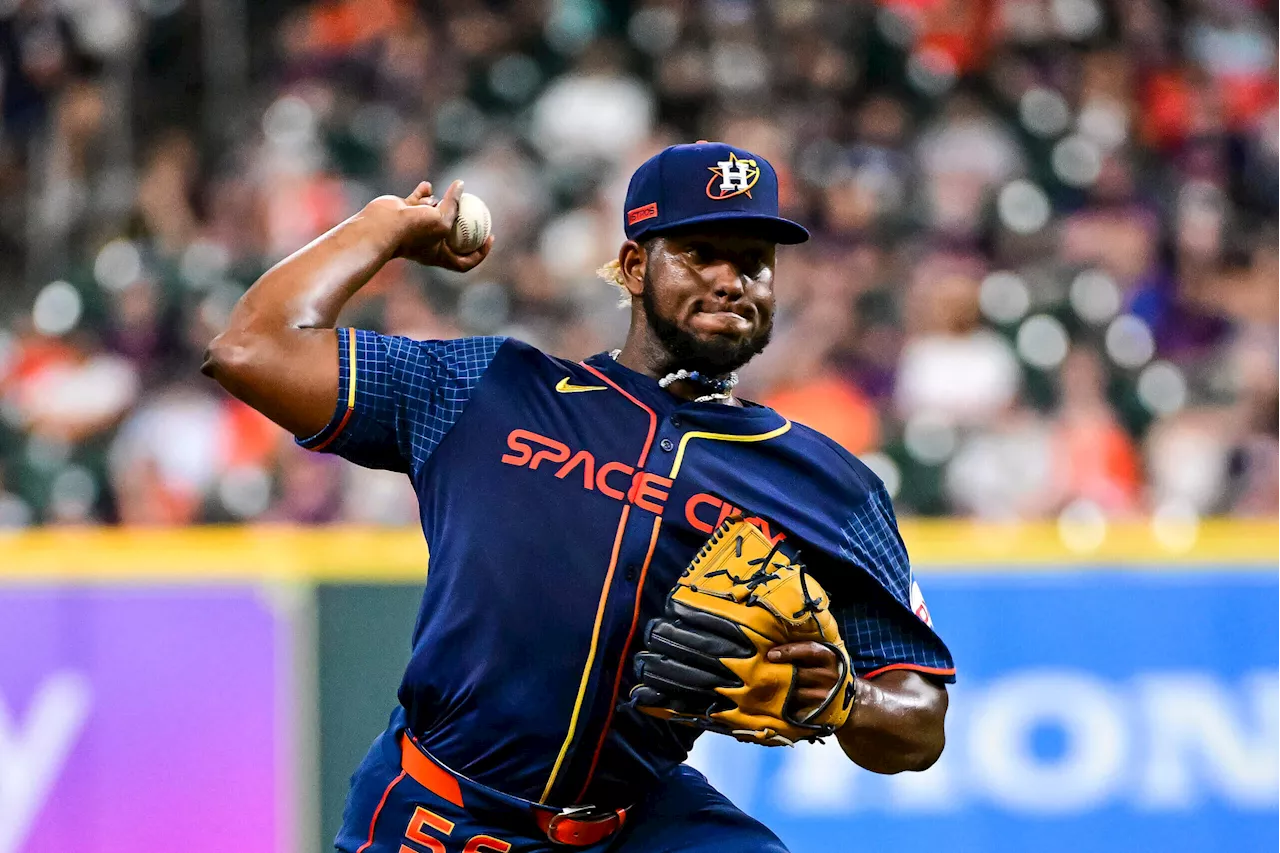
(675, 421)
(631, 573)
(667, 445)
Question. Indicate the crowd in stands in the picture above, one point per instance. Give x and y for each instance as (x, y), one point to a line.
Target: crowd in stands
(1042, 284)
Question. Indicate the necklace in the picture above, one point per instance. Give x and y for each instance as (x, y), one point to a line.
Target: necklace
(720, 385)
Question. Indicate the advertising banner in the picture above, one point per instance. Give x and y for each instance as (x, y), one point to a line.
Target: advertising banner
(1096, 712)
(140, 719)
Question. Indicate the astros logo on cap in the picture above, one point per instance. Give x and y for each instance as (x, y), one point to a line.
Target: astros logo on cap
(736, 177)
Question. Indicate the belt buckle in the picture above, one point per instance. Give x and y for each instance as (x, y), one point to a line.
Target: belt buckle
(561, 829)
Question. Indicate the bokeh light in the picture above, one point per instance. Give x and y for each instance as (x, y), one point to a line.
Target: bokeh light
(929, 439)
(1129, 341)
(1043, 341)
(1004, 297)
(1077, 161)
(1082, 526)
(1094, 296)
(118, 265)
(1044, 111)
(1162, 388)
(1023, 207)
(57, 309)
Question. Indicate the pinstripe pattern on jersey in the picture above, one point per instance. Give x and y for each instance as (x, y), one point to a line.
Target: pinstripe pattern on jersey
(880, 633)
(409, 395)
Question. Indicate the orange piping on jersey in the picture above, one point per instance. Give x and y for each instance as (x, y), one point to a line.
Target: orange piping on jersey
(931, 670)
(604, 594)
(653, 418)
(346, 416)
(373, 824)
(591, 655)
(351, 392)
(617, 679)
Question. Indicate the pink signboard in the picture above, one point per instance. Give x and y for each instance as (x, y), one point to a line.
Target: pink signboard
(141, 719)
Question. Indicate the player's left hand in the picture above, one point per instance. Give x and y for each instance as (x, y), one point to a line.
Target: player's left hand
(706, 660)
(817, 671)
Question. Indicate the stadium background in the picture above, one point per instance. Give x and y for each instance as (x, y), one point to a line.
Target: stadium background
(1040, 302)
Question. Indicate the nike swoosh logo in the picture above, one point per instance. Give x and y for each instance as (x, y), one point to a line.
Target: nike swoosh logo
(564, 387)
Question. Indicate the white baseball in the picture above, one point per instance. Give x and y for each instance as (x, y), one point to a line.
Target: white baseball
(472, 226)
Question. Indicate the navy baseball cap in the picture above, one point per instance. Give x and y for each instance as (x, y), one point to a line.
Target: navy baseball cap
(706, 182)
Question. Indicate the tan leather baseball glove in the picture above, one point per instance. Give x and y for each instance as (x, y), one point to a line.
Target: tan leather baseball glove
(704, 661)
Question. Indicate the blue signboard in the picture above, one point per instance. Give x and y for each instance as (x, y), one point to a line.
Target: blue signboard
(1096, 711)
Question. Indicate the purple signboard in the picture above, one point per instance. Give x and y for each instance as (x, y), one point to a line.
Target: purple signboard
(140, 719)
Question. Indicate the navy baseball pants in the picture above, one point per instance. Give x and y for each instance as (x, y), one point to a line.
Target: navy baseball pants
(390, 811)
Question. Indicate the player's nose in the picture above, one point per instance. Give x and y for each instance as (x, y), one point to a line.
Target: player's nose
(728, 281)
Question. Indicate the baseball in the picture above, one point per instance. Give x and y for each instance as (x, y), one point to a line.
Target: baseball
(471, 228)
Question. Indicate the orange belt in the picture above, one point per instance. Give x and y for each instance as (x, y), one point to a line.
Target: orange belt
(581, 826)
(575, 826)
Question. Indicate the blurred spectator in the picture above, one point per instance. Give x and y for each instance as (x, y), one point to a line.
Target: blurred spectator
(166, 190)
(14, 511)
(952, 367)
(379, 497)
(964, 155)
(595, 111)
(41, 55)
(1252, 486)
(1006, 471)
(167, 455)
(69, 393)
(310, 489)
(1094, 457)
(1187, 461)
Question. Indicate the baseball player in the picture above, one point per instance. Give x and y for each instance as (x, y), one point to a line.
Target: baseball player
(622, 553)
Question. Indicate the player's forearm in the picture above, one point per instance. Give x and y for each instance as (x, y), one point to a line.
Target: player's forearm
(277, 353)
(308, 289)
(897, 723)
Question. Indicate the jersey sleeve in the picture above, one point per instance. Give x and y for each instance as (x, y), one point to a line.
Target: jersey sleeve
(398, 397)
(882, 633)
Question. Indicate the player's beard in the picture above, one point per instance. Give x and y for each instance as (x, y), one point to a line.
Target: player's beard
(713, 357)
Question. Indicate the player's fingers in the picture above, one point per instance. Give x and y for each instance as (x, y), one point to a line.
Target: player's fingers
(817, 676)
(807, 653)
(809, 697)
(448, 205)
(823, 674)
(420, 194)
(472, 260)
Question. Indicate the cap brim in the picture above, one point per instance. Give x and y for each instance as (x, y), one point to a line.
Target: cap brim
(775, 228)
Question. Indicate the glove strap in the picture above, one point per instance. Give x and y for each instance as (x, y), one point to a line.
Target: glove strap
(840, 687)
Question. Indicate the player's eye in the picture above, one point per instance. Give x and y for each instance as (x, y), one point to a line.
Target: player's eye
(702, 253)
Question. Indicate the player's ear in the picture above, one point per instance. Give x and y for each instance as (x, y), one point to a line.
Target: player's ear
(632, 261)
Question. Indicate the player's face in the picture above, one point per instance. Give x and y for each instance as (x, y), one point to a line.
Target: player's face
(708, 297)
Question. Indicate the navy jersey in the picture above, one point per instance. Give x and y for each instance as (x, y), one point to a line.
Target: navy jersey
(560, 501)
